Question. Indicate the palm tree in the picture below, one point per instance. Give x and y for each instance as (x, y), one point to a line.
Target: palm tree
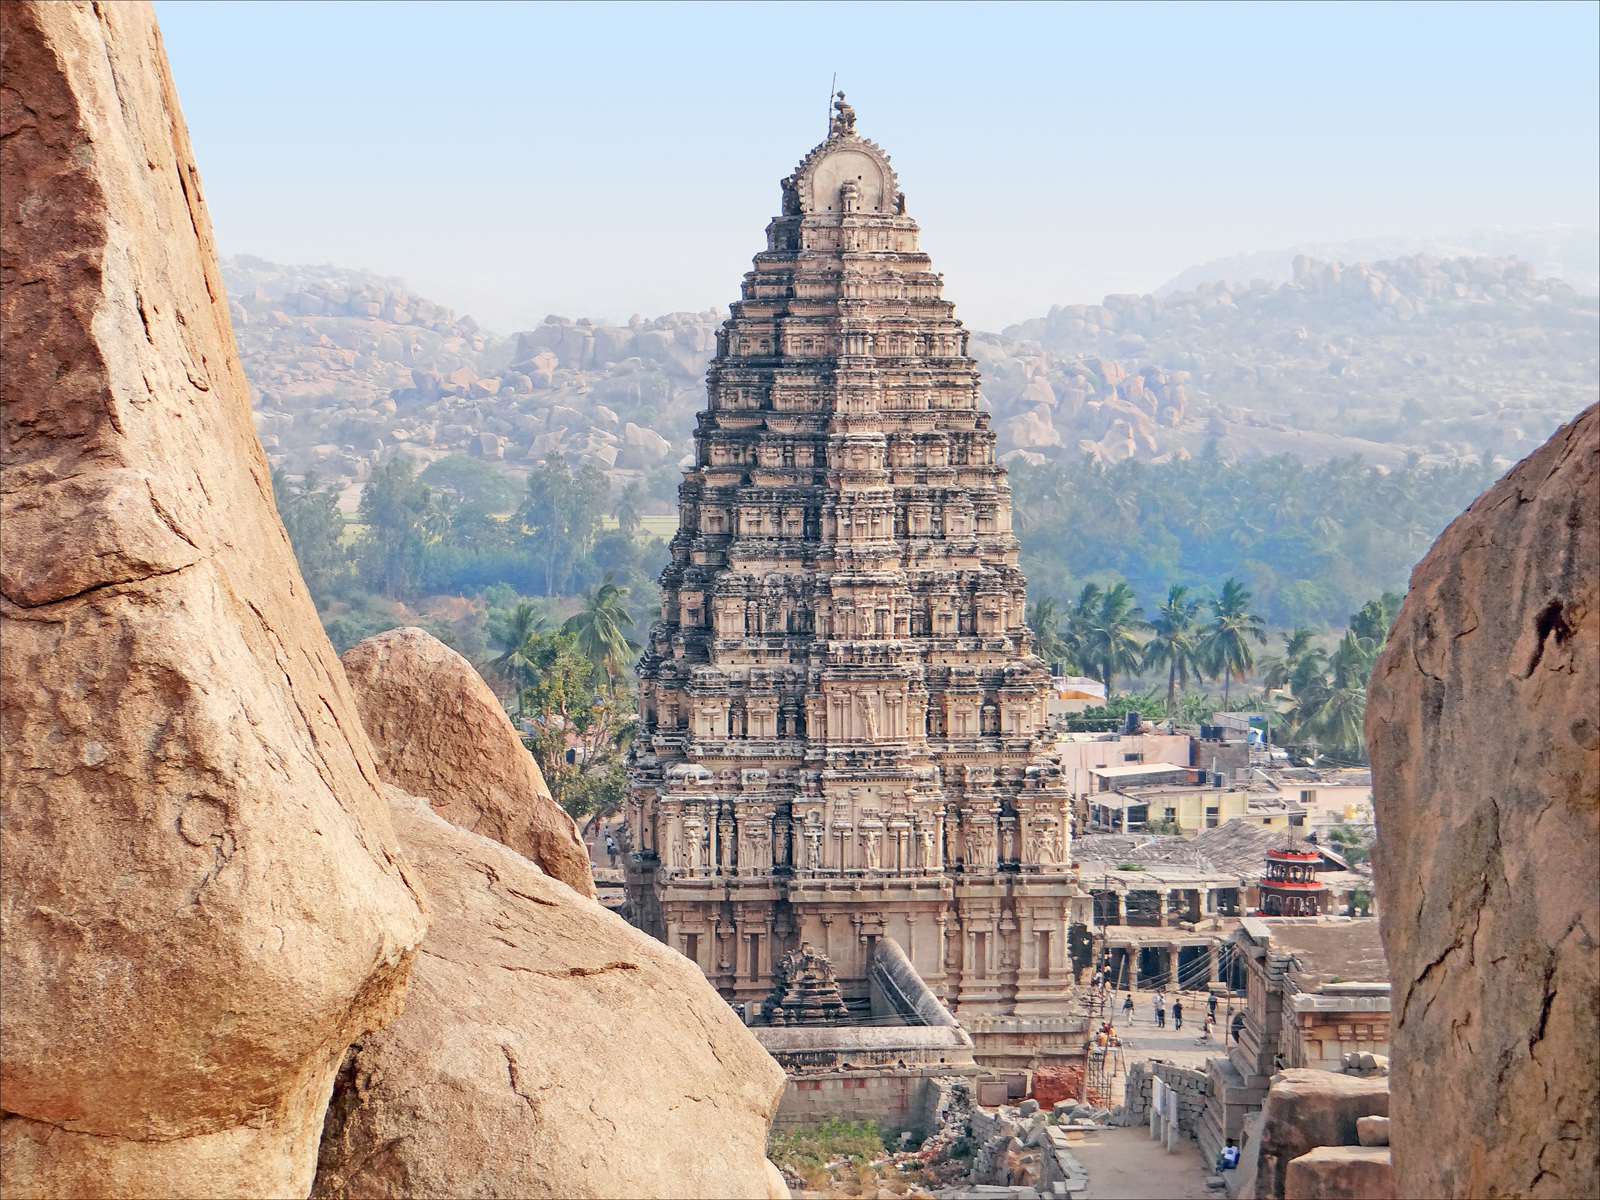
(1176, 644)
(1343, 711)
(1079, 621)
(1226, 641)
(1045, 622)
(599, 629)
(1297, 647)
(1113, 648)
(518, 635)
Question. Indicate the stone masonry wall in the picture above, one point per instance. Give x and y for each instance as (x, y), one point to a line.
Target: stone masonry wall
(1191, 1086)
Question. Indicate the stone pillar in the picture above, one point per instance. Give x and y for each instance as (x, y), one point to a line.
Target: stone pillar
(1122, 907)
(1211, 958)
(1161, 901)
(1172, 966)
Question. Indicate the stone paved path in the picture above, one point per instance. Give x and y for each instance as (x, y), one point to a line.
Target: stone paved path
(1183, 1047)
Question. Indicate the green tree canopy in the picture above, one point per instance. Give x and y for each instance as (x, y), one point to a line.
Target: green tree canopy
(401, 523)
(312, 519)
(561, 515)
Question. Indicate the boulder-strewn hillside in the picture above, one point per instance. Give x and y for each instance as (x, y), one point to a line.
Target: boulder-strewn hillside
(1443, 358)
(1446, 358)
(347, 368)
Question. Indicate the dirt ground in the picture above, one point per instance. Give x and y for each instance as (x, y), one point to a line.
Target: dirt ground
(1124, 1164)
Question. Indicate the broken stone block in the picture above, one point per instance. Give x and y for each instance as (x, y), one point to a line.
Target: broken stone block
(1372, 1131)
(1340, 1173)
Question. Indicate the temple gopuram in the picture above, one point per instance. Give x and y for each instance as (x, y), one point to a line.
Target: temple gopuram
(845, 733)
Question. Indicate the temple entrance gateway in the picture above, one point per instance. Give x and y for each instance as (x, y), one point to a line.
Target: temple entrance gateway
(845, 735)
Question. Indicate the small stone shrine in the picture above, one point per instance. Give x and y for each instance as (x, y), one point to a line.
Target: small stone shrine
(806, 993)
(845, 733)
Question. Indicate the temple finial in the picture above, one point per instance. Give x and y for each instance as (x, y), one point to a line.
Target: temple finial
(844, 118)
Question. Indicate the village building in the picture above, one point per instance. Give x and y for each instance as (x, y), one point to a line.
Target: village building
(1071, 694)
(845, 730)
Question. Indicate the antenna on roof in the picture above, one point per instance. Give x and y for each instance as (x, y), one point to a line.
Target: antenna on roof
(831, 87)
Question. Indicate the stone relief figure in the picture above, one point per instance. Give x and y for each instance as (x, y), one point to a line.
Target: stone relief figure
(813, 846)
(928, 859)
(844, 118)
(678, 854)
(871, 705)
(872, 850)
(691, 842)
(1045, 851)
(986, 844)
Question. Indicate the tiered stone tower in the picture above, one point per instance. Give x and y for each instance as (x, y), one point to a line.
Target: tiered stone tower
(844, 721)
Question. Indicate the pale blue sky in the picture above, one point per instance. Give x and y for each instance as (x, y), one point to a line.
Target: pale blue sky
(515, 159)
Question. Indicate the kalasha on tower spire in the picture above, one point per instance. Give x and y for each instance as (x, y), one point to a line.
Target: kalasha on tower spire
(845, 725)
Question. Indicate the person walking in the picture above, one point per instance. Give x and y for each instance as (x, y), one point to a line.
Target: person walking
(611, 850)
(1211, 1006)
(1205, 1032)
(1127, 1008)
(1161, 1010)
(1177, 1014)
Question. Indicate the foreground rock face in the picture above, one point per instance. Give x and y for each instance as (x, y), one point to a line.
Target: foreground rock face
(547, 1049)
(1483, 724)
(203, 899)
(439, 732)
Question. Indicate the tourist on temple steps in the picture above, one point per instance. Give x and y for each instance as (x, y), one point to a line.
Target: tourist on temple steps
(1177, 1014)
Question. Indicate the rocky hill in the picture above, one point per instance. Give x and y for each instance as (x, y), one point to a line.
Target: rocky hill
(347, 368)
(1444, 358)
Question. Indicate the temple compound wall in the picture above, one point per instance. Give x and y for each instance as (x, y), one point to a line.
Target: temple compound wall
(845, 726)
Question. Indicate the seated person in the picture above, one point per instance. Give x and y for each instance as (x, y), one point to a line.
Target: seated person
(1229, 1158)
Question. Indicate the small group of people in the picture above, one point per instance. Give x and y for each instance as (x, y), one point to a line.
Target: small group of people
(1162, 1011)
(1175, 1011)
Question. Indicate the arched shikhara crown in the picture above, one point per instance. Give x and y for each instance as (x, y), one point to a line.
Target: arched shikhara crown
(846, 158)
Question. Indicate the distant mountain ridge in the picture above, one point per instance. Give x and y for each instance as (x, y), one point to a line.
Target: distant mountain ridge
(1570, 253)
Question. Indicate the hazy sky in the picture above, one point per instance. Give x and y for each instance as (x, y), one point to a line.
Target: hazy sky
(513, 160)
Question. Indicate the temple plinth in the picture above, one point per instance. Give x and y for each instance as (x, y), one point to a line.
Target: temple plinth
(845, 724)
